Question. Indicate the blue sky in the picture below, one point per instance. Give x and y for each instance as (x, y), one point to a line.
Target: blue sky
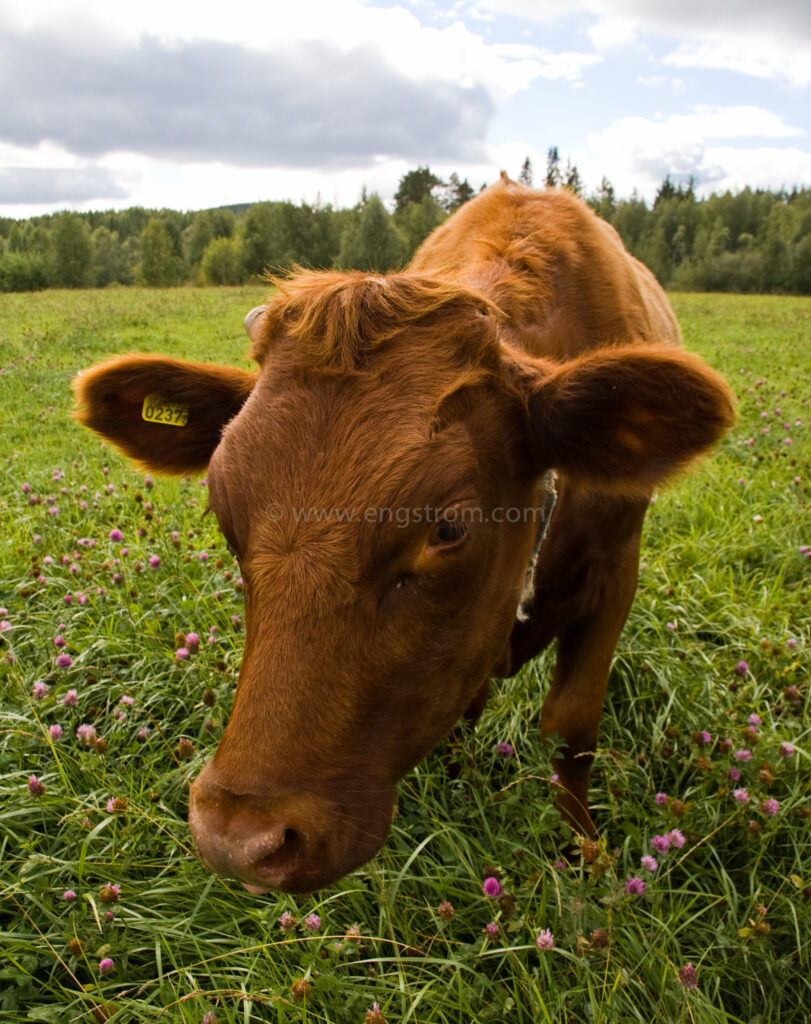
(159, 104)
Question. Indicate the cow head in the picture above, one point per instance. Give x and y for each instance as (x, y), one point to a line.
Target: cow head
(379, 479)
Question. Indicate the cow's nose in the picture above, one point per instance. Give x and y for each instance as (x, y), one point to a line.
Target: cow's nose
(265, 861)
(296, 841)
(273, 859)
(241, 836)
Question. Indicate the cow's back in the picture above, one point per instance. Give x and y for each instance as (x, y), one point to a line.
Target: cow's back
(559, 273)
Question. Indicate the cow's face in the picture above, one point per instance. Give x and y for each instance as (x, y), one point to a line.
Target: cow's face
(381, 487)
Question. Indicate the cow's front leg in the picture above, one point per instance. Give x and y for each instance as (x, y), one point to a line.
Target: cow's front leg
(574, 704)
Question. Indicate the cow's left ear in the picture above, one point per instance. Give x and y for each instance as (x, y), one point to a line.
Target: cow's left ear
(166, 414)
(624, 419)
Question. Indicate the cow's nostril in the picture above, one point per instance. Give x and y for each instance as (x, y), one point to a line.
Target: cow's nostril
(278, 861)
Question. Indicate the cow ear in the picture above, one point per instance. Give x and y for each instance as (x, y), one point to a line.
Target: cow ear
(166, 414)
(624, 419)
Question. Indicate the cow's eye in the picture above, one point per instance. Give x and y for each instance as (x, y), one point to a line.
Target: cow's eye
(449, 532)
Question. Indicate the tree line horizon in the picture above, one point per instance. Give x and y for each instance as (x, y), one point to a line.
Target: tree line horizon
(750, 241)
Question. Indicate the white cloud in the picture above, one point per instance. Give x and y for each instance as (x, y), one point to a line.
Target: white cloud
(672, 17)
(279, 100)
(637, 152)
(197, 102)
(674, 85)
(417, 51)
(607, 32)
(45, 185)
(317, 83)
(568, 66)
(740, 122)
(770, 60)
(764, 167)
(767, 40)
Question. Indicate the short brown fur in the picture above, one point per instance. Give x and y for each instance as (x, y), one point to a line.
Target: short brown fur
(522, 339)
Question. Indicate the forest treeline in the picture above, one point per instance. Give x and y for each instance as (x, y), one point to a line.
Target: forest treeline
(749, 241)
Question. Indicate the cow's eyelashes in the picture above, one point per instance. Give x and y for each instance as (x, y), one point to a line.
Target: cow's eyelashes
(449, 532)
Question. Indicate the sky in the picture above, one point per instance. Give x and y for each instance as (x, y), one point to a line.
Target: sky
(164, 104)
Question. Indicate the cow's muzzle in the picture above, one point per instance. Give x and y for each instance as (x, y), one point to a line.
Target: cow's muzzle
(296, 843)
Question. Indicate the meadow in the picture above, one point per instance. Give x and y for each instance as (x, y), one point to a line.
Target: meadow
(695, 903)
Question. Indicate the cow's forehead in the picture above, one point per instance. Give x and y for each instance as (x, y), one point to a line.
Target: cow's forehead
(299, 425)
(336, 427)
(329, 461)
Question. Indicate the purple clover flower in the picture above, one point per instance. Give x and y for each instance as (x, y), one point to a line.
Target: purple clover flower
(491, 887)
(86, 733)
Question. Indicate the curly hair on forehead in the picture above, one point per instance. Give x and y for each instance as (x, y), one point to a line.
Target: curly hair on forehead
(340, 318)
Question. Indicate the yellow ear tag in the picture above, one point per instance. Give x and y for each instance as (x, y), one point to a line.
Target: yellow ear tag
(157, 409)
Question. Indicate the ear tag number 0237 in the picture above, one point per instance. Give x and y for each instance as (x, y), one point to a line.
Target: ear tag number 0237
(156, 409)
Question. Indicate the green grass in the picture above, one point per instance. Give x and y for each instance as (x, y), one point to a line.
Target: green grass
(721, 563)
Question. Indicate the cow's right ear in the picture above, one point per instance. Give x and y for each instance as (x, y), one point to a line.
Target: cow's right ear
(165, 414)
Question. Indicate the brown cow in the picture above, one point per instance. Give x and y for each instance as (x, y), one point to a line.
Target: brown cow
(384, 479)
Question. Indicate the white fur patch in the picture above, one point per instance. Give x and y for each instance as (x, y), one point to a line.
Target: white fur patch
(547, 497)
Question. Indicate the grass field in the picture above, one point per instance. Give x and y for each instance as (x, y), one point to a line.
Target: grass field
(709, 704)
